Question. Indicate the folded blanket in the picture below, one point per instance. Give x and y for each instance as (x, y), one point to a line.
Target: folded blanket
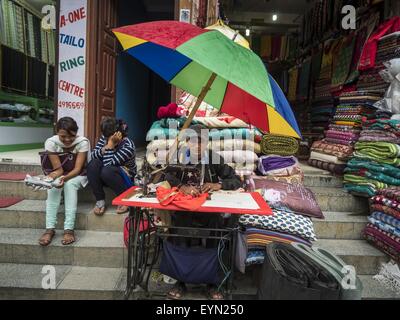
(342, 152)
(373, 176)
(381, 152)
(291, 179)
(348, 123)
(325, 157)
(360, 190)
(356, 163)
(220, 122)
(261, 237)
(386, 219)
(279, 145)
(384, 226)
(378, 135)
(285, 222)
(359, 180)
(379, 199)
(391, 193)
(342, 135)
(382, 124)
(344, 142)
(384, 241)
(268, 165)
(336, 169)
(343, 128)
(238, 156)
(385, 209)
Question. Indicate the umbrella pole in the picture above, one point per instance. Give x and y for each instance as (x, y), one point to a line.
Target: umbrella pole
(189, 120)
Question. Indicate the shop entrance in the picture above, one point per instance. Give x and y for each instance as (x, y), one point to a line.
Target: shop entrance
(118, 85)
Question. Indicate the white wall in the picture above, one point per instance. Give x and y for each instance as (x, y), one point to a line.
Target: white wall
(23, 135)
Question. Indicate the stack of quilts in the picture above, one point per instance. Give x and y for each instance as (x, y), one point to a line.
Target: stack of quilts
(383, 230)
(236, 142)
(336, 148)
(293, 207)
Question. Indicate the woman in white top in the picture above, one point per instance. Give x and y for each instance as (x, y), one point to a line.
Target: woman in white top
(66, 140)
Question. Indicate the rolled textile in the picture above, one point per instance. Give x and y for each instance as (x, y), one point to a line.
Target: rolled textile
(268, 165)
(391, 193)
(279, 145)
(337, 169)
(325, 158)
(285, 222)
(384, 241)
(381, 152)
(389, 211)
(341, 151)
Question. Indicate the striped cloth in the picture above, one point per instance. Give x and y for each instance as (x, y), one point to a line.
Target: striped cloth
(386, 219)
(124, 155)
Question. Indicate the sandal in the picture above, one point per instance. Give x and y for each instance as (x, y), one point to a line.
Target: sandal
(69, 237)
(47, 237)
(99, 211)
(214, 294)
(122, 209)
(177, 292)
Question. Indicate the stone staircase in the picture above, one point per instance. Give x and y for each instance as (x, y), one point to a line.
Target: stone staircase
(94, 267)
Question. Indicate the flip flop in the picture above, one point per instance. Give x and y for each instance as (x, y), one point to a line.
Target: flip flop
(178, 289)
(125, 210)
(99, 211)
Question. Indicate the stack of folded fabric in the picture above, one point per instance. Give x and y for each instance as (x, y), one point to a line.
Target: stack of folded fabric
(336, 148)
(230, 137)
(383, 230)
(322, 110)
(293, 207)
(388, 48)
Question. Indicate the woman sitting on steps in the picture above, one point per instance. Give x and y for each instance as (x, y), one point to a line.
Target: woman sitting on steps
(66, 140)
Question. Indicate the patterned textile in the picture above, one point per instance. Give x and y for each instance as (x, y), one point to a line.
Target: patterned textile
(282, 222)
(381, 152)
(342, 141)
(391, 193)
(386, 219)
(342, 152)
(361, 38)
(360, 180)
(384, 226)
(364, 190)
(379, 135)
(342, 64)
(279, 145)
(293, 79)
(385, 209)
(259, 237)
(372, 166)
(255, 257)
(325, 158)
(290, 179)
(383, 241)
(336, 169)
(383, 124)
(386, 201)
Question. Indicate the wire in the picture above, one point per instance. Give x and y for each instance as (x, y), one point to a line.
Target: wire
(226, 271)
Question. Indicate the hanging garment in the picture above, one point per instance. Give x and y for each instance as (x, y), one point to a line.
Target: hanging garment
(368, 56)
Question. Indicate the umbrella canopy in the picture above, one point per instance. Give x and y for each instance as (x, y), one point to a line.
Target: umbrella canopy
(190, 57)
(229, 33)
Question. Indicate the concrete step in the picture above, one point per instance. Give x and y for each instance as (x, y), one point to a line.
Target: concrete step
(92, 249)
(106, 249)
(358, 253)
(338, 200)
(31, 214)
(322, 180)
(24, 281)
(20, 167)
(340, 225)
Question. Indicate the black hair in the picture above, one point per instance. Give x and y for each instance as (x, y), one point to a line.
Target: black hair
(68, 124)
(110, 125)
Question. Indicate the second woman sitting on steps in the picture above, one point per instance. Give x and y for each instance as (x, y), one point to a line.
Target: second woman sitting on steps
(113, 163)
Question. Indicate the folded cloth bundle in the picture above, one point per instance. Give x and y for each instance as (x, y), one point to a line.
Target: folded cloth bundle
(347, 123)
(379, 199)
(260, 237)
(220, 122)
(348, 117)
(234, 144)
(359, 180)
(341, 141)
(341, 151)
(342, 128)
(290, 179)
(374, 167)
(384, 241)
(391, 193)
(381, 216)
(279, 145)
(336, 169)
(382, 124)
(360, 190)
(378, 135)
(373, 175)
(280, 221)
(382, 152)
(384, 226)
(385, 209)
(326, 158)
(269, 165)
(342, 135)
(238, 156)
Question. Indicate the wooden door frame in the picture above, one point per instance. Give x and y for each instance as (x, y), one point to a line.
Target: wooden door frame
(91, 69)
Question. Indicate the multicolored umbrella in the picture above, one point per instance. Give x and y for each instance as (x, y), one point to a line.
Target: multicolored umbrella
(229, 33)
(207, 64)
